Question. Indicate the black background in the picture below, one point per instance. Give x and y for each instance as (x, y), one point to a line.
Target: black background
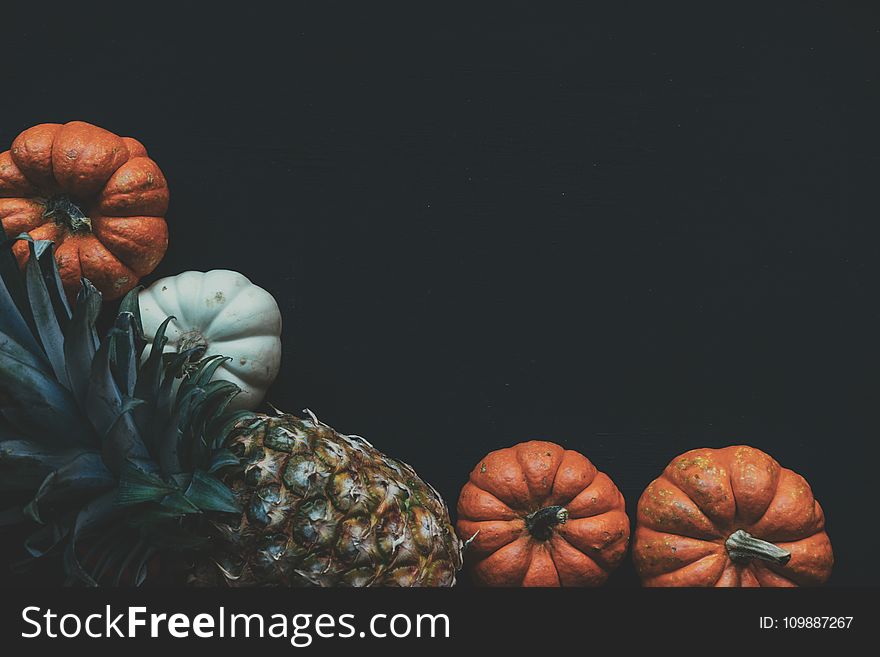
(632, 230)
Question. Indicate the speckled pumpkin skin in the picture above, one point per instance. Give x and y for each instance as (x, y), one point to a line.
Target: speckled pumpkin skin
(110, 179)
(703, 496)
(509, 484)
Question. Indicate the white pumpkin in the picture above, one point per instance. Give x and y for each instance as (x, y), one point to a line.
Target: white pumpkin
(227, 315)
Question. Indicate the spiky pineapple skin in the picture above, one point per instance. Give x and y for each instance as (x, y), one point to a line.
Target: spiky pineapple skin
(325, 509)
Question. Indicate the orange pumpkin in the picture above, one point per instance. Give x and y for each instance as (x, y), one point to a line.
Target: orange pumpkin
(730, 517)
(97, 196)
(540, 515)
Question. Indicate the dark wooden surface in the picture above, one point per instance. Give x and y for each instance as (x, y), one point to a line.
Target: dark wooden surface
(630, 231)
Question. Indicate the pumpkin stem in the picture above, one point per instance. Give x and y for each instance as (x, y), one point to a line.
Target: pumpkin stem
(68, 214)
(541, 523)
(742, 547)
(194, 340)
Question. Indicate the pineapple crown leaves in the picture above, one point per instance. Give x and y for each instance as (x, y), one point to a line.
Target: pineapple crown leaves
(100, 439)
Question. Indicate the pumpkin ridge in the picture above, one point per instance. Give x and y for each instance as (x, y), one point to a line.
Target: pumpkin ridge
(200, 295)
(226, 306)
(240, 349)
(21, 154)
(27, 213)
(76, 253)
(90, 261)
(490, 494)
(747, 577)
(117, 243)
(476, 529)
(662, 566)
(174, 324)
(504, 484)
(805, 537)
(511, 557)
(13, 182)
(765, 569)
(553, 563)
(787, 575)
(732, 456)
(603, 496)
(73, 177)
(523, 455)
(38, 188)
(559, 473)
(730, 565)
(703, 475)
(598, 572)
(247, 376)
(596, 555)
(615, 509)
(533, 554)
(51, 170)
(728, 465)
(232, 337)
(816, 521)
(598, 516)
(807, 567)
(652, 581)
(719, 534)
(562, 538)
(132, 199)
(621, 536)
(483, 491)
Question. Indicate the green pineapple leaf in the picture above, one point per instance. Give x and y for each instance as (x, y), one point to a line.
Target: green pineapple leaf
(84, 474)
(52, 280)
(24, 464)
(147, 388)
(16, 337)
(81, 341)
(40, 406)
(135, 563)
(52, 535)
(120, 437)
(210, 494)
(137, 486)
(220, 426)
(129, 304)
(110, 445)
(222, 458)
(49, 322)
(94, 514)
(124, 354)
(14, 288)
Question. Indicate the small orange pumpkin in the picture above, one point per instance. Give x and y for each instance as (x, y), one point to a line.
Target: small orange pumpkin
(730, 517)
(97, 196)
(539, 515)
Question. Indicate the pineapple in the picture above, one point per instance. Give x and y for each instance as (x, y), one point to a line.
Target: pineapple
(120, 466)
(325, 509)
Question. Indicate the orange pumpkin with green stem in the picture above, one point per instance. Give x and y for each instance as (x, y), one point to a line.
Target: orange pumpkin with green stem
(96, 195)
(539, 515)
(730, 517)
